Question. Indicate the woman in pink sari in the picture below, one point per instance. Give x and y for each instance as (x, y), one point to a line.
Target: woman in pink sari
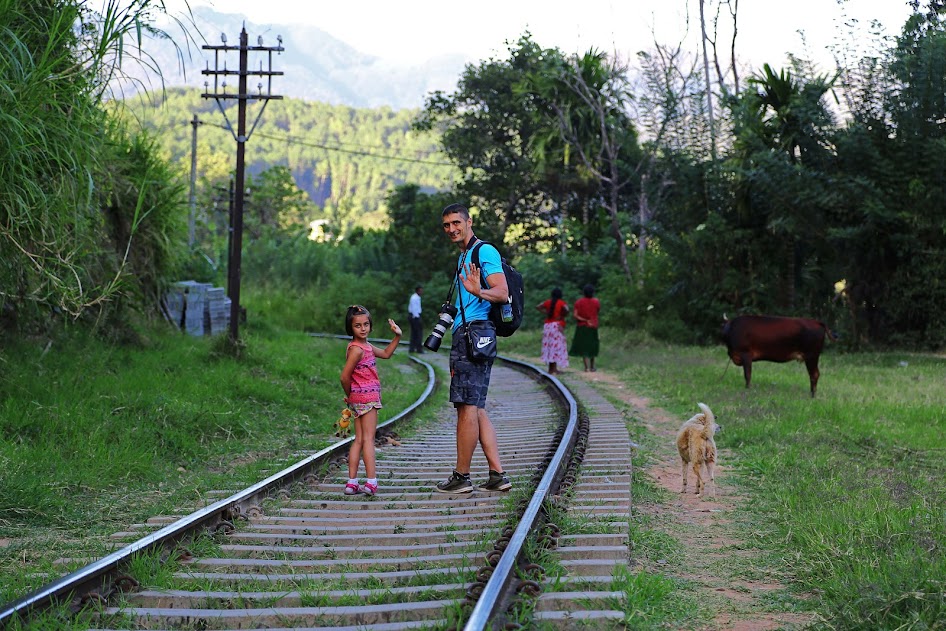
(554, 344)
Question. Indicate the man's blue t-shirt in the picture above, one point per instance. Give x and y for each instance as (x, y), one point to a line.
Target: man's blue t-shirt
(476, 308)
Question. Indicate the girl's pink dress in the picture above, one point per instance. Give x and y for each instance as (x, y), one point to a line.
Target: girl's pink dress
(365, 385)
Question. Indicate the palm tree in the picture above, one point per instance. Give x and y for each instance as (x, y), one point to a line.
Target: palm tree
(791, 112)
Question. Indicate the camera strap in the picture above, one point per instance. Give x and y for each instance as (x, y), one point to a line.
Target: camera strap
(456, 284)
(466, 324)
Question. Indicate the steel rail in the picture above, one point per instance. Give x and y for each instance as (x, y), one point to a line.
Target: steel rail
(90, 577)
(499, 587)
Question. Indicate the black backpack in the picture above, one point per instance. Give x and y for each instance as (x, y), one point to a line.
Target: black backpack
(504, 328)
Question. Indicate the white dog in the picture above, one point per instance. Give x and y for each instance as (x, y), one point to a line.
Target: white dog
(698, 448)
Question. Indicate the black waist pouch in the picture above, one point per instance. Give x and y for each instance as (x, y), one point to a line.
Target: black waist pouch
(480, 341)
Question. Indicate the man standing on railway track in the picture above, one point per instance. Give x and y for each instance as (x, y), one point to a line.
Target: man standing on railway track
(469, 379)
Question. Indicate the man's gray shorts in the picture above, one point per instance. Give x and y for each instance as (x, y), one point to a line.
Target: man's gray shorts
(469, 381)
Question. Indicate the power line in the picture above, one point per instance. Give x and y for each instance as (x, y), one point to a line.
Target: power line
(339, 142)
(293, 140)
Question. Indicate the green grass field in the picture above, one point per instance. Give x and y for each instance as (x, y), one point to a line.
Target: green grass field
(844, 492)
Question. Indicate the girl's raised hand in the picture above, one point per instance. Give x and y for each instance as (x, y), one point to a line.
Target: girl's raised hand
(394, 327)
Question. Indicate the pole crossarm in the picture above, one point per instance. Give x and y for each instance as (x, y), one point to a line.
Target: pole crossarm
(243, 96)
(253, 73)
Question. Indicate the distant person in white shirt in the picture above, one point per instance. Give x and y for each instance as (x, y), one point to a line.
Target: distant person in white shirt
(413, 317)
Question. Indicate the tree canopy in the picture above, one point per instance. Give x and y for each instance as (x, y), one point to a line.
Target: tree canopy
(806, 209)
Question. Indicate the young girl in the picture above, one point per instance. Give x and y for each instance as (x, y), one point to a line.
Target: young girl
(363, 394)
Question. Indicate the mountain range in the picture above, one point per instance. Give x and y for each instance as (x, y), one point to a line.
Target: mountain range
(317, 66)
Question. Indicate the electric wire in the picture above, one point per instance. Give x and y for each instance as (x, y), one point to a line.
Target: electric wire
(293, 140)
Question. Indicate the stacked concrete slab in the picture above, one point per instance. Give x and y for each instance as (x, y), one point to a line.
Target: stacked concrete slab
(174, 301)
(198, 308)
(216, 311)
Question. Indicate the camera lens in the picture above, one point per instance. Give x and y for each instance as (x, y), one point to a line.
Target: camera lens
(447, 312)
(433, 342)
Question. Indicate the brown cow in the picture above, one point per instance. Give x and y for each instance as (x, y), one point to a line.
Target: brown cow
(751, 338)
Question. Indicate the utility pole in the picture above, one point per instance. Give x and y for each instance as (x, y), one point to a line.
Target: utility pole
(220, 94)
(193, 197)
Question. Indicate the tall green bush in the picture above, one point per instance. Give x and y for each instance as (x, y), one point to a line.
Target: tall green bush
(48, 153)
(143, 205)
(87, 211)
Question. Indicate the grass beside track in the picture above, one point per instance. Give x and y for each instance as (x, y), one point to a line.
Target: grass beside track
(95, 437)
(844, 492)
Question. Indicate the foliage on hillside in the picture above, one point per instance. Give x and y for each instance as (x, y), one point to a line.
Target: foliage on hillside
(345, 159)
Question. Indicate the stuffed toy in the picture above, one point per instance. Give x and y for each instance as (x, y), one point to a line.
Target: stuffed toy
(343, 424)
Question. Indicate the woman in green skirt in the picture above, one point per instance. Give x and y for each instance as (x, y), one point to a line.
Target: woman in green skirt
(585, 344)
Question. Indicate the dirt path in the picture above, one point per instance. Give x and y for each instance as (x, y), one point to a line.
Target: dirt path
(730, 582)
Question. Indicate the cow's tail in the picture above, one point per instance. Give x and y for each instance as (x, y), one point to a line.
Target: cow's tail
(831, 335)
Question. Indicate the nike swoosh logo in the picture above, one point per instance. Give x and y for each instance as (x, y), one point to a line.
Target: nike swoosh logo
(484, 341)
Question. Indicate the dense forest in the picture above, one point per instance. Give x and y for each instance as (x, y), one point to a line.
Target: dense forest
(683, 190)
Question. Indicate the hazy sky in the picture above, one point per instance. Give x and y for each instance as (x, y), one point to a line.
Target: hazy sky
(415, 30)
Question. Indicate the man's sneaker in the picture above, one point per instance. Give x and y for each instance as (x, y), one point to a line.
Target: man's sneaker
(352, 489)
(368, 488)
(497, 482)
(456, 483)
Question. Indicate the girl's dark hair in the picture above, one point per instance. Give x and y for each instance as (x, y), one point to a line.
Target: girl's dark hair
(588, 290)
(356, 310)
(556, 296)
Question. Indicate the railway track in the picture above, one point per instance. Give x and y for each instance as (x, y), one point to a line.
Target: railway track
(300, 554)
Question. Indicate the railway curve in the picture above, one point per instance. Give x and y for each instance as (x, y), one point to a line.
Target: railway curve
(293, 552)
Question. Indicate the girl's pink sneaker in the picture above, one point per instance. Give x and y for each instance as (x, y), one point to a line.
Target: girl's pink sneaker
(352, 489)
(368, 488)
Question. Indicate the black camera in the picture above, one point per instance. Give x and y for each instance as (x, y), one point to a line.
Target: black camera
(447, 313)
